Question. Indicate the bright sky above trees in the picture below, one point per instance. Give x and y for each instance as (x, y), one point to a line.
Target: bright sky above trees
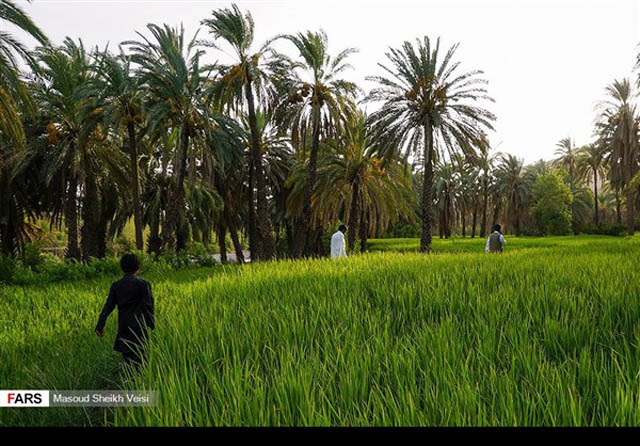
(547, 62)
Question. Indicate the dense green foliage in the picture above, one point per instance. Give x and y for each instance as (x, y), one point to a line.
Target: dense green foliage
(272, 149)
(530, 337)
(552, 210)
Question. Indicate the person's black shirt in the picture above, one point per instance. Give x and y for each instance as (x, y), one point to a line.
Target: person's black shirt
(134, 300)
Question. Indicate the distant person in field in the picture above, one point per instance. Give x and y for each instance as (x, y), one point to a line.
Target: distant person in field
(134, 300)
(338, 248)
(495, 242)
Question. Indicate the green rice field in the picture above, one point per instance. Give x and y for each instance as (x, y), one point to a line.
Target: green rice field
(546, 334)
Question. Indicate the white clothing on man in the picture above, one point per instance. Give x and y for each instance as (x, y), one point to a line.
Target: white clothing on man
(338, 248)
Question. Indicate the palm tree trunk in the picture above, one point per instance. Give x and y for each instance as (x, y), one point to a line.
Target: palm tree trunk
(154, 243)
(447, 218)
(485, 200)
(254, 242)
(265, 227)
(234, 234)
(206, 233)
(90, 231)
(631, 210)
(427, 190)
(618, 208)
(496, 214)
(595, 195)
(463, 221)
(135, 180)
(303, 225)
(364, 232)
(175, 207)
(474, 221)
(222, 242)
(227, 219)
(354, 215)
(71, 219)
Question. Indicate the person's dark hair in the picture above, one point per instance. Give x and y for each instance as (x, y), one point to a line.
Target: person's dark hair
(342, 228)
(497, 228)
(129, 263)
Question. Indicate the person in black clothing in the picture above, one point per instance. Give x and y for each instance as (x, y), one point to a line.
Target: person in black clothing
(134, 300)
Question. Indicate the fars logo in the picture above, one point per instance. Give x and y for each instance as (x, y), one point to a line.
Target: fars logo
(24, 398)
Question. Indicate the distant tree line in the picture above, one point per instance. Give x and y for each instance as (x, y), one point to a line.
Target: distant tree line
(273, 149)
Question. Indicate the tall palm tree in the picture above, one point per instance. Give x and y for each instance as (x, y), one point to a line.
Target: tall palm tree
(591, 162)
(315, 98)
(61, 93)
(121, 92)
(428, 104)
(173, 82)
(618, 130)
(567, 156)
(241, 83)
(12, 88)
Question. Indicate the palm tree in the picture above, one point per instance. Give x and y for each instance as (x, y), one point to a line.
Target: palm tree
(465, 190)
(427, 104)
(24, 193)
(485, 162)
(354, 182)
(240, 82)
(582, 202)
(591, 162)
(618, 130)
(12, 88)
(513, 184)
(122, 95)
(227, 158)
(172, 79)
(61, 93)
(567, 156)
(446, 179)
(314, 97)
(275, 153)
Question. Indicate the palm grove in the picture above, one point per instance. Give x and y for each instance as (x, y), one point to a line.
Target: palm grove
(276, 148)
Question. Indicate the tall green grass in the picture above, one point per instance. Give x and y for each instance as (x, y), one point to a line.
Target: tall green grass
(546, 334)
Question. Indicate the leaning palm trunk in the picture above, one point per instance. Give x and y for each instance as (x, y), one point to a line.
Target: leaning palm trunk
(354, 215)
(137, 210)
(71, 219)
(265, 227)
(234, 235)
(227, 219)
(303, 225)
(427, 190)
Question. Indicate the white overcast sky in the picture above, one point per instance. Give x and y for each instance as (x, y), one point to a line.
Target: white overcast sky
(547, 62)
